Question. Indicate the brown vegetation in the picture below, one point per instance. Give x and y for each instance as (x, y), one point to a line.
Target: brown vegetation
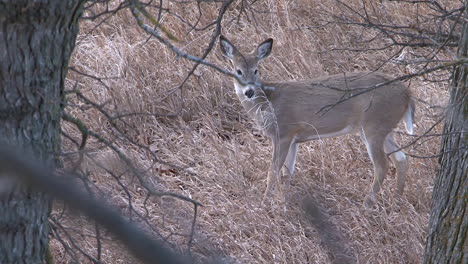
(226, 158)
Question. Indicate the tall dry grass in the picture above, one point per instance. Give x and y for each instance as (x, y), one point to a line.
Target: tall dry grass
(228, 156)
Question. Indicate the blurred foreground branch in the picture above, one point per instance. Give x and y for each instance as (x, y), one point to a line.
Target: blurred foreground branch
(137, 241)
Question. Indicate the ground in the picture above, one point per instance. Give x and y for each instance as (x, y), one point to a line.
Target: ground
(227, 157)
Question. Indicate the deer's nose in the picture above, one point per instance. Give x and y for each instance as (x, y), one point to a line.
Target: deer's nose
(249, 93)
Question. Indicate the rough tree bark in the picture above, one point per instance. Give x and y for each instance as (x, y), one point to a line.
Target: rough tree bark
(36, 41)
(448, 229)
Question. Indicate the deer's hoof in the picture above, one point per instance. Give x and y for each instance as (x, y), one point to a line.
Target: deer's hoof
(370, 201)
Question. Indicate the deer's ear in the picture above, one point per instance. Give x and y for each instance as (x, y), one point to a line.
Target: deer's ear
(227, 48)
(264, 49)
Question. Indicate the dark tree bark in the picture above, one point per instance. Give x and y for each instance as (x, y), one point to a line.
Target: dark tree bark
(36, 41)
(447, 240)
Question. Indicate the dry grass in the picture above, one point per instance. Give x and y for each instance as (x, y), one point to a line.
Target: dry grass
(214, 138)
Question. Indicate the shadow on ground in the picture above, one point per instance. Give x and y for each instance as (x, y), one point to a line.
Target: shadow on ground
(330, 237)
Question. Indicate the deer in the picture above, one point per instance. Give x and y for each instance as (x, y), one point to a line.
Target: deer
(367, 104)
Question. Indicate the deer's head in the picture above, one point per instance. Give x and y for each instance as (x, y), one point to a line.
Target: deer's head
(246, 65)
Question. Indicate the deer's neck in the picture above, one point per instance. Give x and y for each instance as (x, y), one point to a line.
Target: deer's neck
(259, 107)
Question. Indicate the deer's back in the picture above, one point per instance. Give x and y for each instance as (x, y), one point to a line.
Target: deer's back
(314, 105)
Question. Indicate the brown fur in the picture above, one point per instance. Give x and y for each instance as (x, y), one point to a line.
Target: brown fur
(298, 111)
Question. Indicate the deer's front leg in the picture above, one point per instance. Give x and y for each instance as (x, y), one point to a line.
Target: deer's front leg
(280, 152)
(290, 163)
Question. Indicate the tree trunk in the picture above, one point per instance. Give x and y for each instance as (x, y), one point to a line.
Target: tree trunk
(36, 41)
(447, 240)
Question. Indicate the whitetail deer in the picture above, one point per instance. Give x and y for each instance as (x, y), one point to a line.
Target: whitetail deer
(293, 112)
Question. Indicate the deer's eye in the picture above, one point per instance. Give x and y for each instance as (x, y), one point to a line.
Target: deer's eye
(239, 72)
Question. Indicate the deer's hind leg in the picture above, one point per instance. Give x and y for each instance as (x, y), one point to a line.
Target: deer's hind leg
(399, 160)
(374, 140)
